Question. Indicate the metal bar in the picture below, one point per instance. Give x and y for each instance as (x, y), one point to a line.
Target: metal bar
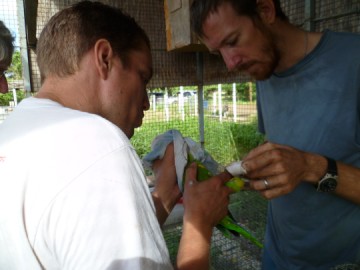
(24, 51)
(337, 16)
(200, 85)
(30, 10)
(309, 15)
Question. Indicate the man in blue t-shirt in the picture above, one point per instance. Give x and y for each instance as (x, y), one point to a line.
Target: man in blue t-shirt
(308, 97)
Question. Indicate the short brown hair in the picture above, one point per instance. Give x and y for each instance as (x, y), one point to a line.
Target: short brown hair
(73, 31)
(200, 9)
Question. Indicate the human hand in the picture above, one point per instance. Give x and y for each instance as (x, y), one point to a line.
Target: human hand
(277, 170)
(205, 203)
(166, 191)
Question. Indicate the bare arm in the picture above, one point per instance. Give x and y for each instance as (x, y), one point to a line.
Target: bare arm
(285, 167)
(166, 191)
(205, 204)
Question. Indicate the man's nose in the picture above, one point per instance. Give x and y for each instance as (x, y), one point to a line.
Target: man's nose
(146, 105)
(231, 59)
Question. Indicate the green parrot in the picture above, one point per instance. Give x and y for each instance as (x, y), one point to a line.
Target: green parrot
(228, 225)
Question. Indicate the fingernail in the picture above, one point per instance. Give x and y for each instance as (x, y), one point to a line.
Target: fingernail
(244, 166)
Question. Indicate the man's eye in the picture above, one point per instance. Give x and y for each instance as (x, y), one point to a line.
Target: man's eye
(144, 78)
(231, 42)
(217, 53)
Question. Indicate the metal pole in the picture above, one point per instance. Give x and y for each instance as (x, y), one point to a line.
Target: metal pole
(23, 48)
(234, 102)
(309, 15)
(200, 85)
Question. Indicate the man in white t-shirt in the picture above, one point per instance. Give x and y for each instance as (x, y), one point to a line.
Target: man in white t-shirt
(73, 193)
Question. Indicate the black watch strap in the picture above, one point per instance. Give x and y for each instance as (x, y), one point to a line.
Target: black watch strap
(332, 167)
(328, 182)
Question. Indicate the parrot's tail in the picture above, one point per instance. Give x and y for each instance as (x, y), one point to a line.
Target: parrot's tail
(230, 228)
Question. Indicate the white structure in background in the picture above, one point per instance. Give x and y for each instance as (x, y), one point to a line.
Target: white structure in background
(153, 103)
(195, 100)
(220, 102)
(181, 103)
(15, 97)
(166, 105)
(214, 103)
(234, 102)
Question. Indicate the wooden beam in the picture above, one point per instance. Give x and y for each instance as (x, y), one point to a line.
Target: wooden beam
(30, 10)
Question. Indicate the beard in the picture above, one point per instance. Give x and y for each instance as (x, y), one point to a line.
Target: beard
(263, 68)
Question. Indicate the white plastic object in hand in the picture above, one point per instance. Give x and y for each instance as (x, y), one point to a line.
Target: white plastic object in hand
(236, 168)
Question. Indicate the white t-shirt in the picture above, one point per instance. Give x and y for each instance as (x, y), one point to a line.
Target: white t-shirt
(73, 194)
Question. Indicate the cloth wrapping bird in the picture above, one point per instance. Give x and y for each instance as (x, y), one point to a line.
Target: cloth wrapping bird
(187, 151)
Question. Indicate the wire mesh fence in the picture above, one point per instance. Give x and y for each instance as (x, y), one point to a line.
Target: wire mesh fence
(221, 116)
(228, 253)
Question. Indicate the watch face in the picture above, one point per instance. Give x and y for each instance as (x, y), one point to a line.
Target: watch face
(328, 184)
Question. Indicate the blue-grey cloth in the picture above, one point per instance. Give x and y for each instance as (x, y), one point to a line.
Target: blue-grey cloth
(182, 147)
(315, 106)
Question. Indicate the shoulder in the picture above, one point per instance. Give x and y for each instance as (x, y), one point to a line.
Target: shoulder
(342, 40)
(69, 125)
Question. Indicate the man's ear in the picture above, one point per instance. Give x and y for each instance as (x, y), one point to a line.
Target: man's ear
(266, 11)
(104, 55)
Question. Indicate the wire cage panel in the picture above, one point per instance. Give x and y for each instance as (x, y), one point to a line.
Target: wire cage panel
(220, 112)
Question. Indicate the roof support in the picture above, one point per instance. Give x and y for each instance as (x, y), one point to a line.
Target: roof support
(24, 45)
(309, 15)
(200, 95)
(30, 11)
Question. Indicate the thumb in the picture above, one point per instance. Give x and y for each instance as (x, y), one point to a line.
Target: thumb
(190, 175)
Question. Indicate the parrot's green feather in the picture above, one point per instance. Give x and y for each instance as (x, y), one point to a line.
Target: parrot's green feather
(236, 184)
(228, 225)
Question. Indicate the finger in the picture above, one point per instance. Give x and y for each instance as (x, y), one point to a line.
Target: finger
(270, 162)
(190, 175)
(170, 147)
(168, 155)
(225, 177)
(263, 184)
(273, 192)
(266, 146)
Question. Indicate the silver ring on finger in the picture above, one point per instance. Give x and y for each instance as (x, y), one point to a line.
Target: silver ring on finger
(266, 184)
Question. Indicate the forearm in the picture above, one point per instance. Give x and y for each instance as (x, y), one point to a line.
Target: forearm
(348, 182)
(162, 210)
(194, 249)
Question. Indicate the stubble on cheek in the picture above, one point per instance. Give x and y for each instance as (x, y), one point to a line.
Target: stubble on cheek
(268, 65)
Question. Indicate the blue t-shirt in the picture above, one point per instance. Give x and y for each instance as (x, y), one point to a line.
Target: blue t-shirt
(315, 106)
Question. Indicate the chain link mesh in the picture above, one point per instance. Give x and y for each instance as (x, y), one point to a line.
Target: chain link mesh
(223, 118)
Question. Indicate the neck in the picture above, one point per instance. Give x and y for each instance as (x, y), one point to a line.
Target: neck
(306, 45)
(292, 44)
(69, 92)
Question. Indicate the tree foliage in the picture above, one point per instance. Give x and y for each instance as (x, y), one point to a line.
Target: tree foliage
(15, 68)
(6, 98)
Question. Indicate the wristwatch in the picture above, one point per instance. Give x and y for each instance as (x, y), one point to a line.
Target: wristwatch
(328, 182)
